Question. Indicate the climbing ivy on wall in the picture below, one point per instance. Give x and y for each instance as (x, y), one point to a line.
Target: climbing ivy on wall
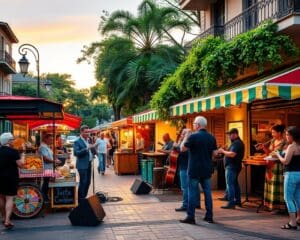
(213, 61)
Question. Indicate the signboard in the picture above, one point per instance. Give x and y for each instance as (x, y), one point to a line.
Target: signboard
(63, 196)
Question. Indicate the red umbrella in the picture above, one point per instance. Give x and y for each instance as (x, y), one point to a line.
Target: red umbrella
(70, 121)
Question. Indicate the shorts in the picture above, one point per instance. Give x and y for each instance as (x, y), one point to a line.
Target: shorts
(8, 185)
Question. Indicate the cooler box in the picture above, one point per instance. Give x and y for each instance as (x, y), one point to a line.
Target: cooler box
(150, 165)
(144, 173)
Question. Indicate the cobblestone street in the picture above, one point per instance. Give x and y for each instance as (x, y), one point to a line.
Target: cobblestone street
(146, 217)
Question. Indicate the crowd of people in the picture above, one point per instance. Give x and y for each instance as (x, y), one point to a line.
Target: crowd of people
(282, 177)
(195, 163)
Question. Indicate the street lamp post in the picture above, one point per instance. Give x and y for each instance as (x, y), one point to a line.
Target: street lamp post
(24, 63)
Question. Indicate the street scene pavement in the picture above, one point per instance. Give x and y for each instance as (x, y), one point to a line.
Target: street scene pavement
(151, 216)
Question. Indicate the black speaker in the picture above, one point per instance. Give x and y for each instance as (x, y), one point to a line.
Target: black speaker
(140, 187)
(88, 213)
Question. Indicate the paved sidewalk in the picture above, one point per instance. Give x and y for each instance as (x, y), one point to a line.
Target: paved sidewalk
(141, 217)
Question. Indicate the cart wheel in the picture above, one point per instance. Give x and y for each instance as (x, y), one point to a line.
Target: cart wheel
(29, 201)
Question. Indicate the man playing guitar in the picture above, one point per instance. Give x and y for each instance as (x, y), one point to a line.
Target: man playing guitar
(167, 146)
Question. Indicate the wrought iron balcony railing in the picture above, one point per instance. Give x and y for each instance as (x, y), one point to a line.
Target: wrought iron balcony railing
(258, 13)
(253, 16)
(6, 57)
(214, 30)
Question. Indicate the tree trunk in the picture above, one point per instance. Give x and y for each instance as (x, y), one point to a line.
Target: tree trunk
(117, 112)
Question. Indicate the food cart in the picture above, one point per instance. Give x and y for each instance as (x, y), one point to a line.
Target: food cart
(125, 157)
(29, 200)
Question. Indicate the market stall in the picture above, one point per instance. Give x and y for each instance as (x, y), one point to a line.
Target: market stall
(151, 161)
(29, 200)
(252, 107)
(125, 157)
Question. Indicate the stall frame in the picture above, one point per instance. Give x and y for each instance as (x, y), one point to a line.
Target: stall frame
(20, 108)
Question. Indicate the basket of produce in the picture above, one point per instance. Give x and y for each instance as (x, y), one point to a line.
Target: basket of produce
(33, 164)
(65, 175)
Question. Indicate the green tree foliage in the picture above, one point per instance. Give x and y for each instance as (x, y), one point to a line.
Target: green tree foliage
(78, 102)
(27, 89)
(214, 61)
(62, 85)
(131, 65)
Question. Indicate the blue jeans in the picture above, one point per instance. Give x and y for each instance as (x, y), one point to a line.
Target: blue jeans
(233, 190)
(184, 188)
(102, 160)
(292, 191)
(193, 193)
(84, 182)
(45, 188)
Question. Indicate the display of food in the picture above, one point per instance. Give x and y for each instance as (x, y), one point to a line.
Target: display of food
(33, 162)
(64, 171)
(19, 144)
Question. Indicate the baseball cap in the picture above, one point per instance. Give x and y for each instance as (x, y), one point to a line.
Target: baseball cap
(233, 130)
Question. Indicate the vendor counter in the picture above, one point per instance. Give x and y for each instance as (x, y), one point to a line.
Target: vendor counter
(125, 163)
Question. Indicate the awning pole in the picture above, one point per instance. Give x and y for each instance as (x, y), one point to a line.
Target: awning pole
(54, 140)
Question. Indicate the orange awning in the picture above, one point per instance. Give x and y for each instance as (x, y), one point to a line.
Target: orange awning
(122, 123)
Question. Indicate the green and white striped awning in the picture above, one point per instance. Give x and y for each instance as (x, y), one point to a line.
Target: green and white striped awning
(285, 85)
(145, 116)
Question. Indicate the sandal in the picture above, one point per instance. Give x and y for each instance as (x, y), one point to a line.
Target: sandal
(289, 227)
(8, 226)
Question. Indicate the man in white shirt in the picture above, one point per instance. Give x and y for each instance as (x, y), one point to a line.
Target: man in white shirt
(102, 144)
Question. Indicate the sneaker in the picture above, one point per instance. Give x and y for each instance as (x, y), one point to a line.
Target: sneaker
(209, 220)
(188, 220)
(180, 209)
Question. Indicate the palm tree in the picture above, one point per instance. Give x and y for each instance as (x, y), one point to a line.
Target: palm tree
(152, 26)
(135, 57)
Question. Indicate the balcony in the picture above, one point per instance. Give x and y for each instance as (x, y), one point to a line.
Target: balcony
(280, 11)
(7, 64)
(214, 31)
(286, 13)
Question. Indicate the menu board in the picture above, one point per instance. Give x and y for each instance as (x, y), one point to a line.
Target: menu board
(64, 195)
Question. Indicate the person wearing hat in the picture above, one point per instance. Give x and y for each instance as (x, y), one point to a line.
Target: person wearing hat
(10, 160)
(233, 165)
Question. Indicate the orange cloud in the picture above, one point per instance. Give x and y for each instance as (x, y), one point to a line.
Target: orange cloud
(63, 29)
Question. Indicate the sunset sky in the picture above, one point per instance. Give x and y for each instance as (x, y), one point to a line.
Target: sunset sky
(59, 29)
